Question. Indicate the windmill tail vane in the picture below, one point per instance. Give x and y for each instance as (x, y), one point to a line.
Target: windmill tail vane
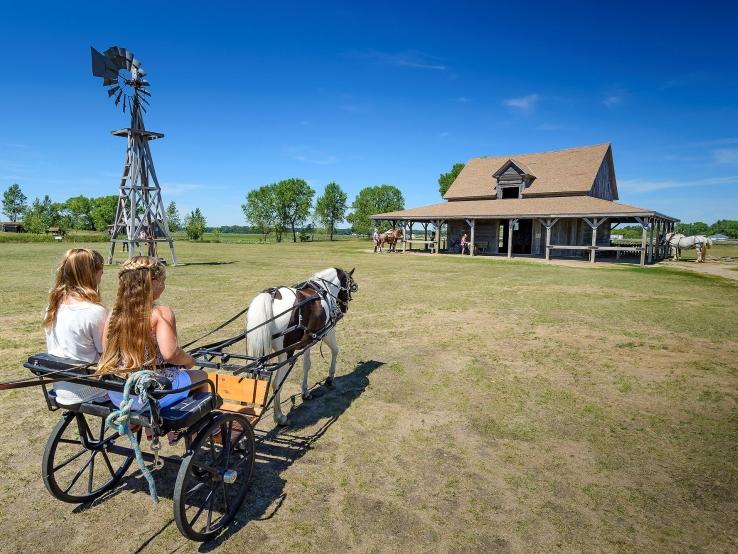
(140, 217)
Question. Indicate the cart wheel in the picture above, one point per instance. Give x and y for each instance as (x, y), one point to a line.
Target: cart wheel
(214, 477)
(79, 465)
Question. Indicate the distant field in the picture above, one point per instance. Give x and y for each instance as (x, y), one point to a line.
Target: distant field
(481, 405)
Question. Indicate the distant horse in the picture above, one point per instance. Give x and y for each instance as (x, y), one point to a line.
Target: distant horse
(677, 242)
(391, 237)
(331, 289)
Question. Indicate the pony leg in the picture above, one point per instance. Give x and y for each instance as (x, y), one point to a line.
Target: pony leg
(330, 340)
(277, 381)
(305, 369)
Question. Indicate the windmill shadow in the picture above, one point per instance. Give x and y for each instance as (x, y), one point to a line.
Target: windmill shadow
(278, 448)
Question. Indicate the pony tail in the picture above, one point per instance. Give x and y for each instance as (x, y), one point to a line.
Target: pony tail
(258, 336)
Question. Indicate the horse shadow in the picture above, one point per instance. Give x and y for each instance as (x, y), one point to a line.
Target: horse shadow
(278, 448)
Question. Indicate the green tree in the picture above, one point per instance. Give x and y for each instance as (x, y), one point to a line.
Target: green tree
(194, 224)
(173, 218)
(331, 207)
(77, 210)
(696, 228)
(373, 200)
(260, 210)
(728, 227)
(102, 211)
(293, 199)
(445, 180)
(14, 202)
(41, 215)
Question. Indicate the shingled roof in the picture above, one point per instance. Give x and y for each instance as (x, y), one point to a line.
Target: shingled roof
(561, 172)
(554, 206)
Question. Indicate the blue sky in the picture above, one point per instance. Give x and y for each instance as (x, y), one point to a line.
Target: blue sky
(372, 93)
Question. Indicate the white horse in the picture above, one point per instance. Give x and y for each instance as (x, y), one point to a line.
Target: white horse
(677, 242)
(331, 290)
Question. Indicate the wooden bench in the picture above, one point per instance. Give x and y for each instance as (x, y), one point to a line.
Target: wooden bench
(481, 247)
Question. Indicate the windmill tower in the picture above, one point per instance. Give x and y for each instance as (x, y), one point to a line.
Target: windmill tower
(140, 217)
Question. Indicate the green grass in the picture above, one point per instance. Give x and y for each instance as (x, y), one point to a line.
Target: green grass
(482, 405)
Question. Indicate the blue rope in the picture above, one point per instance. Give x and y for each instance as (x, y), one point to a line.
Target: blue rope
(120, 418)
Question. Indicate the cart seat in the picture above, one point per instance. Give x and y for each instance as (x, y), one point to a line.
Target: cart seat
(183, 414)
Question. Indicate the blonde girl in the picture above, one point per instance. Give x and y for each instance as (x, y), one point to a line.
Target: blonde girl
(75, 319)
(140, 333)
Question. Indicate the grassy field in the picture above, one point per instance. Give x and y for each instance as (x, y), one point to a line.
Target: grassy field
(481, 405)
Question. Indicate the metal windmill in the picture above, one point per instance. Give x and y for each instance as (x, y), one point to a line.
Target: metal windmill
(140, 216)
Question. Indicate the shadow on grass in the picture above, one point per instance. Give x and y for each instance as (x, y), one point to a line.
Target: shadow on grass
(181, 264)
(276, 450)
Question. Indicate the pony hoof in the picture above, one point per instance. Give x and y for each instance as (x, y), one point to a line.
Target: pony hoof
(281, 420)
(307, 396)
(329, 383)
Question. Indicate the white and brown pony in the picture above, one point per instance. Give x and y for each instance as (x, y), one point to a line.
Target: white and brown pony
(294, 328)
(391, 237)
(678, 242)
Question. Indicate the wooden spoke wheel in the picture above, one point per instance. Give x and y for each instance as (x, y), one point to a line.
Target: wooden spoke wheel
(214, 477)
(83, 460)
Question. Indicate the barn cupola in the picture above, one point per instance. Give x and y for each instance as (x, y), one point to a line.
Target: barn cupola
(512, 179)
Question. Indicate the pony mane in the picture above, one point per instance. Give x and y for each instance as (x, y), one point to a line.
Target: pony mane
(326, 273)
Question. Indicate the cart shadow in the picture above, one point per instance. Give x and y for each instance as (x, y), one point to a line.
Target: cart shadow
(278, 448)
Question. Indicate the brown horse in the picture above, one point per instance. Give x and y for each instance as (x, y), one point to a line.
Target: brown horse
(390, 237)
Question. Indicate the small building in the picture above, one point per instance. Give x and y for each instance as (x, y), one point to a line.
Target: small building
(561, 203)
(11, 227)
(719, 237)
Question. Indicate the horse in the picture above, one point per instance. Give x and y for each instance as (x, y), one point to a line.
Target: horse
(391, 237)
(678, 241)
(292, 330)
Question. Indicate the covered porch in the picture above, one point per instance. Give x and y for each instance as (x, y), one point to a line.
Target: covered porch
(562, 235)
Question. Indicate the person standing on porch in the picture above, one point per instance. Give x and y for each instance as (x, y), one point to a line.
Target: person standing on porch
(464, 244)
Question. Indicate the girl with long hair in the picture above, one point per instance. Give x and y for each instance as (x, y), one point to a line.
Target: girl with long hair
(141, 334)
(75, 319)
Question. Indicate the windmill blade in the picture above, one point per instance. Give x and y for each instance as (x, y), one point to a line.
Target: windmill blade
(113, 90)
(124, 103)
(144, 91)
(108, 82)
(117, 98)
(99, 67)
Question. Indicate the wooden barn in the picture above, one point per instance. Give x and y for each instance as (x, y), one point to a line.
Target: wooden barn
(561, 203)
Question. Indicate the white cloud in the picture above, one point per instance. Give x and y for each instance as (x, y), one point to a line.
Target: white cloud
(727, 156)
(310, 155)
(646, 185)
(410, 58)
(524, 103)
(612, 100)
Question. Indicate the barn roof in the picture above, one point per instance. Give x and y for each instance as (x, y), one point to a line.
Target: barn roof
(570, 171)
(551, 206)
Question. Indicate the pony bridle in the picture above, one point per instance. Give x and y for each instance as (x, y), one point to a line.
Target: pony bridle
(351, 286)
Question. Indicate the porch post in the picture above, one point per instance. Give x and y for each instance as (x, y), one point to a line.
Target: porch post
(425, 234)
(437, 223)
(510, 226)
(650, 242)
(472, 224)
(594, 242)
(548, 224)
(404, 235)
(644, 221)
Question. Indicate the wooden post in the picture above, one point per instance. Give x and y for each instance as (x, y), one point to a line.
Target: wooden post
(404, 236)
(437, 223)
(510, 225)
(645, 224)
(594, 242)
(650, 242)
(548, 224)
(472, 225)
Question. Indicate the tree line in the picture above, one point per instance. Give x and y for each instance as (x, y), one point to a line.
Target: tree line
(287, 205)
(727, 227)
(84, 213)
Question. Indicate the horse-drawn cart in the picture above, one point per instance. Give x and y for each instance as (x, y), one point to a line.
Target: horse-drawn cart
(85, 457)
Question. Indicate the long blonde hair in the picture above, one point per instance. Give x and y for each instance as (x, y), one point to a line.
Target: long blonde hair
(130, 344)
(76, 277)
